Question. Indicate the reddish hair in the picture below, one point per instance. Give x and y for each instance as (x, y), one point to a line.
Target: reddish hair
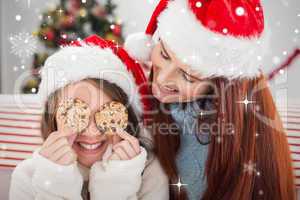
(225, 173)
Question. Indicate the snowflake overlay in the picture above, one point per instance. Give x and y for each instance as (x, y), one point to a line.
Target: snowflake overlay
(23, 45)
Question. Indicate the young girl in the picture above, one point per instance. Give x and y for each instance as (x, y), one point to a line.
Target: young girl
(87, 154)
(207, 83)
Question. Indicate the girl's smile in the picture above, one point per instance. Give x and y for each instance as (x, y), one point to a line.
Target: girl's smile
(89, 146)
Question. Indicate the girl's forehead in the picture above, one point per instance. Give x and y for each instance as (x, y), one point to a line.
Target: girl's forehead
(86, 91)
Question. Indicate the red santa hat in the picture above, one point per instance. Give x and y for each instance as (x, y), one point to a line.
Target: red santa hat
(95, 57)
(214, 37)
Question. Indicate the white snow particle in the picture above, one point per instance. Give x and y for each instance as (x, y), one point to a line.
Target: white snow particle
(64, 36)
(281, 71)
(73, 57)
(250, 167)
(47, 183)
(33, 90)
(219, 139)
(198, 4)
(276, 60)
(239, 11)
(151, 1)
(278, 23)
(258, 173)
(18, 17)
(225, 30)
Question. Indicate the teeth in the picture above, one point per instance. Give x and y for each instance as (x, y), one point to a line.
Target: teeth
(89, 146)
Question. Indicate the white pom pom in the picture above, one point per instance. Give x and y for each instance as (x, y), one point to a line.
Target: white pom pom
(139, 46)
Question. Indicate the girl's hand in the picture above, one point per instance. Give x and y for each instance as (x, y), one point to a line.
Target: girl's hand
(58, 149)
(126, 147)
(58, 146)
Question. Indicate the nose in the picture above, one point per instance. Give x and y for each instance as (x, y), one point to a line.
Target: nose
(167, 76)
(91, 130)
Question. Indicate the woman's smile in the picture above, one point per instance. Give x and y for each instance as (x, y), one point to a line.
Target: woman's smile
(162, 92)
(167, 90)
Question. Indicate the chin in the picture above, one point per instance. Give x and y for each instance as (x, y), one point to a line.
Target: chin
(166, 99)
(87, 162)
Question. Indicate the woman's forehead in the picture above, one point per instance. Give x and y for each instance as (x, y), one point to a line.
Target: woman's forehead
(180, 64)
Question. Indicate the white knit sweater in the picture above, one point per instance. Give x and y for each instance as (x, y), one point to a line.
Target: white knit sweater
(41, 179)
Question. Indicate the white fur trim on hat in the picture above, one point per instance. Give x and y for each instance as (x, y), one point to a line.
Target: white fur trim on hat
(207, 52)
(139, 46)
(72, 64)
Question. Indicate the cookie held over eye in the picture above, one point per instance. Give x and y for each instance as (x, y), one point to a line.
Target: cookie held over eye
(75, 114)
(112, 116)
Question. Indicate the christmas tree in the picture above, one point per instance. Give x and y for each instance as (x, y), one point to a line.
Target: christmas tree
(69, 21)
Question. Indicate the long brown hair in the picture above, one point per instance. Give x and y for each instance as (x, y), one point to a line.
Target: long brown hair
(48, 123)
(253, 162)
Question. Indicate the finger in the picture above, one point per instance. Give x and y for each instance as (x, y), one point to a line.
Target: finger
(63, 128)
(53, 137)
(60, 153)
(132, 140)
(127, 148)
(68, 158)
(116, 139)
(119, 151)
(60, 121)
(107, 153)
(56, 146)
(71, 139)
(69, 134)
(114, 156)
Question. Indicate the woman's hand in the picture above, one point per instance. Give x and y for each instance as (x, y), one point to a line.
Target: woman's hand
(125, 146)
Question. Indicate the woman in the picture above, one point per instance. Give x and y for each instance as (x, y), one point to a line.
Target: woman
(217, 131)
